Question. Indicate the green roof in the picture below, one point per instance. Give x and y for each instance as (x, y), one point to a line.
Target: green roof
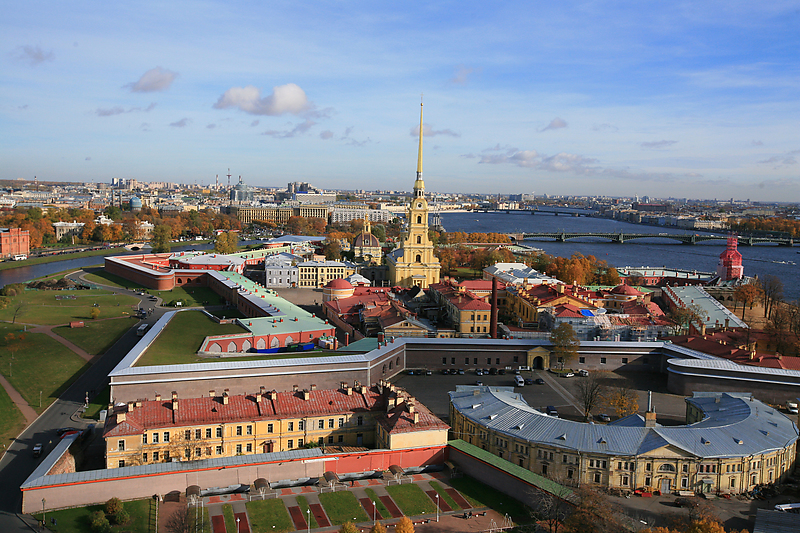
(367, 344)
(524, 474)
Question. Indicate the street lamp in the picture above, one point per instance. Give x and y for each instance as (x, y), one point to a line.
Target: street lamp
(373, 513)
(308, 521)
(437, 506)
(40, 398)
(44, 520)
(237, 525)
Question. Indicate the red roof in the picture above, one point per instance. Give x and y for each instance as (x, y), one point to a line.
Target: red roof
(626, 290)
(339, 284)
(567, 311)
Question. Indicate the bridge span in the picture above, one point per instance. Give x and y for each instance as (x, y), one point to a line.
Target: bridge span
(621, 238)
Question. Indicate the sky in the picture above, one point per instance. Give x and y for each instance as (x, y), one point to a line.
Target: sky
(665, 99)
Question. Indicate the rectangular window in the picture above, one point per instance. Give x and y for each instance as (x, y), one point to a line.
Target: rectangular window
(360, 421)
(340, 438)
(321, 441)
(516, 359)
(208, 433)
(301, 425)
(218, 450)
(166, 436)
(330, 439)
(249, 447)
(341, 422)
(239, 430)
(155, 456)
(544, 470)
(452, 360)
(144, 438)
(290, 444)
(155, 438)
(684, 482)
(321, 424)
(249, 430)
(466, 360)
(648, 467)
(602, 360)
(570, 473)
(488, 360)
(198, 452)
(290, 426)
(330, 423)
(144, 457)
(219, 432)
(647, 481)
(198, 434)
(624, 360)
(597, 477)
(121, 445)
(475, 361)
(187, 453)
(563, 458)
(166, 456)
(497, 361)
(269, 428)
(238, 449)
(625, 481)
(581, 360)
(444, 360)
(187, 435)
(122, 463)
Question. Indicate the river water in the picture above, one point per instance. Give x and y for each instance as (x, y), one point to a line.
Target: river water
(759, 260)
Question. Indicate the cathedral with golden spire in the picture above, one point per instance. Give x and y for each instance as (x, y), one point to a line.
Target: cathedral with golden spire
(413, 263)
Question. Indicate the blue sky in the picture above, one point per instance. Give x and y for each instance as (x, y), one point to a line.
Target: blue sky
(684, 99)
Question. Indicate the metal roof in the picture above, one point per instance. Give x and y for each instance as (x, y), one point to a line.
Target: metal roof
(733, 426)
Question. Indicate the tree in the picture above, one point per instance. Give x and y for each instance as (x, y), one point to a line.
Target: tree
(160, 240)
(404, 526)
(685, 316)
(591, 391)
(379, 230)
(227, 242)
(14, 342)
(772, 288)
(94, 314)
(349, 527)
(594, 514)
(332, 250)
(378, 528)
(747, 295)
(113, 506)
(624, 400)
(702, 525)
(19, 307)
(179, 521)
(565, 344)
(552, 506)
(99, 523)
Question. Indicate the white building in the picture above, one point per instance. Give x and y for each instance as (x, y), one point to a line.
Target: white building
(517, 274)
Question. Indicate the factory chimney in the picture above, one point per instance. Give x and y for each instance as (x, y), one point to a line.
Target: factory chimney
(493, 326)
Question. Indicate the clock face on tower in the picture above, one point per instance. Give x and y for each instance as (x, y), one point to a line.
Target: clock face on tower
(419, 206)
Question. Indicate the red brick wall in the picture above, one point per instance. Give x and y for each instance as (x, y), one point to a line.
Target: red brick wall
(15, 241)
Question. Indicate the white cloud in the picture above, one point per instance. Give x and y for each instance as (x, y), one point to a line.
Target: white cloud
(462, 74)
(325, 135)
(657, 145)
(779, 161)
(428, 131)
(182, 123)
(119, 110)
(155, 79)
(284, 99)
(33, 55)
(523, 158)
(555, 124)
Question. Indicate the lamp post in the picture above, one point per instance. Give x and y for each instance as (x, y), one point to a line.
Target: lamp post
(373, 513)
(237, 525)
(40, 398)
(44, 520)
(308, 521)
(437, 506)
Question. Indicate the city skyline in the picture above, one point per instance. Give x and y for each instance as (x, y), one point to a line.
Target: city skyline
(694, 100)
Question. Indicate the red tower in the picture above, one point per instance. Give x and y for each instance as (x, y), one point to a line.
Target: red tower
(730, 261)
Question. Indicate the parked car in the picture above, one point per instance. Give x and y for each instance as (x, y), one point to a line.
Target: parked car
(568, 375)
(37, 449)
(460, 371)
(552, 411)
(604, 418)
(493, 371)
(517, 372)
(479, 372)
(410, 372)
(583, 373)
(502, 371)
(539, 381)
(479, 383)
(445, 371)
(528, 381)
(428, 372)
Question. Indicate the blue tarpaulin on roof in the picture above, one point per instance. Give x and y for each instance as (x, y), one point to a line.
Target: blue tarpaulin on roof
(586, 312)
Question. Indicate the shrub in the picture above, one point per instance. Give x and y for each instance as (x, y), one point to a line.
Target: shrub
(404, 526)
(95, 313)
(99, 522)
(348, 527)
(113, 506)
(121, 517)
(378, 528)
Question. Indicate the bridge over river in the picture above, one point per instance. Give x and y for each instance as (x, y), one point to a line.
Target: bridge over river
(621, 238)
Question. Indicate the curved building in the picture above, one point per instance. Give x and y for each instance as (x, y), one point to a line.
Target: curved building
(731, 442)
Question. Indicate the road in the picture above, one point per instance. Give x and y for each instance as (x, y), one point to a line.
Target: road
(18, 463)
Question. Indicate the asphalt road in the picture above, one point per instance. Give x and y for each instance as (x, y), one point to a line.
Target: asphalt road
(18, 463)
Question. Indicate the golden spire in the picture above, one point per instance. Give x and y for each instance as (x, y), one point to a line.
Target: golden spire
(419, 156)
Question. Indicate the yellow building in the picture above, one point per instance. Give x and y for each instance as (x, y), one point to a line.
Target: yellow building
(224, 425)
(413, 263)
(319, 273)
(366, 246)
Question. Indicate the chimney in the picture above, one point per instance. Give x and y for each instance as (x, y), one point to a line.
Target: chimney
(158, 397)
(174, 401)
(225, 397)
(313, 386)
(416, 418)
(650, 419)
(273, 395)
(649, 401)
(262, 389)
(348, 389)
(258, 396)
(131, 406)
(120, 417)
(306, 394)
(295, 388)
(493, 325)
(212, 393)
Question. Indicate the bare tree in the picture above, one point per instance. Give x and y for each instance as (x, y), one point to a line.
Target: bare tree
(591, 391)
(624, 400)
(19, 307)
(186, 520)
(773, 292)
(747, 294)
(554, 507)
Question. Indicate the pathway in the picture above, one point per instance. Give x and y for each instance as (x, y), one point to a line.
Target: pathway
(27, 411)
(48, 330)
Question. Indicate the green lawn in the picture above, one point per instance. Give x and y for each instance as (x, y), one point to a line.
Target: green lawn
(230, 521)
(411, 499)
(101, 277)
(342, 507)
(444, 496)
(191, 297)
(97, 404)
(76, 520)
(269, 515)
(97, 336)
(11, 420)
(226, 313)
(480, 495)
(182, 337)
(382, 510)
(303, 504)
(41, 307)
(39, 363)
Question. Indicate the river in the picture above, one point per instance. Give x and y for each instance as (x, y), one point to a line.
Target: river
(759, 260)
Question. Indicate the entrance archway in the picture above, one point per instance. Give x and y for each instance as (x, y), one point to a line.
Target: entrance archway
(538, 363)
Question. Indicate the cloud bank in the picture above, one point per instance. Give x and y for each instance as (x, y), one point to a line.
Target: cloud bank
(284, 99)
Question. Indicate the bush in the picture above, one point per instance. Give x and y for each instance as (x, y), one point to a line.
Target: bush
(95, 314)
(121, 517)
(113, 506)
(99, 522)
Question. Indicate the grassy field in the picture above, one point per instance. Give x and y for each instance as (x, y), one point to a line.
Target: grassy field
(77, 520)
(269, 515)
(192, 297)
(39, 363)
(227, 513)
(382, 510)
(444, 496)
(411, 499)
(182, 337)
(97, 336)
(342, 507)
(41, 307)
(480, 495)
(11, 420)
(97, 404)
(303, 504)
(101, 277)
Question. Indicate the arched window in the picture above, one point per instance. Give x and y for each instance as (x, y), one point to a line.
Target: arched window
(666, 468)
(419, 258)
(384, 369)
(419, 239)
(398, 361)
(390, 365)
(419, 219)
(179, 281)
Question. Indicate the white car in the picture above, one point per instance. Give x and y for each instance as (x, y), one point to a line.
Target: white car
(568, 375)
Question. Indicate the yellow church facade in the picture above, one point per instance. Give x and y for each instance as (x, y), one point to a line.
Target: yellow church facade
(413, 264)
